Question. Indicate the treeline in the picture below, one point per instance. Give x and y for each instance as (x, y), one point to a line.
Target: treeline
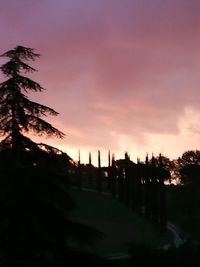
(139, 186)
(183, 170)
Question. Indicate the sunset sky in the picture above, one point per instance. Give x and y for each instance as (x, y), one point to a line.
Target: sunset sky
(123, 74)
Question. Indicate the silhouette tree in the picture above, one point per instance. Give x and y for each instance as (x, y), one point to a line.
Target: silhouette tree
(112, 176)
(99, 174)
(167, 165)
(189, 167)
(35, 229)
(190, 157)
(90, 171)
(18, 114)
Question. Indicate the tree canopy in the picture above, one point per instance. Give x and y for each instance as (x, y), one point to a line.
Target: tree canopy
(18, 114)
(189, 167)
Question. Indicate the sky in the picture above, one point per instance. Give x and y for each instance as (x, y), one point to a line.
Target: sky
(123, 75)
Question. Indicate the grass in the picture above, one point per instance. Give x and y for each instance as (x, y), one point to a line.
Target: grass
(119, 225)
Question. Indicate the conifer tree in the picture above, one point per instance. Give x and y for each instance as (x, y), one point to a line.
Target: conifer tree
(35, 229)
(18, 114)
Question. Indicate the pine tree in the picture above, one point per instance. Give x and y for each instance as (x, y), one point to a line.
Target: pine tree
(18, 114)
(35, 228)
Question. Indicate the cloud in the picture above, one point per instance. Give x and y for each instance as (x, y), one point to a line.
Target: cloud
(117, 72)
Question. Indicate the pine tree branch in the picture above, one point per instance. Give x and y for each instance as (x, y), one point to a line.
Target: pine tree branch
(28, 84)
(13, 67)
(21, 52)
(42, 127)
(6, 126)
(21, 82)
(38, 109)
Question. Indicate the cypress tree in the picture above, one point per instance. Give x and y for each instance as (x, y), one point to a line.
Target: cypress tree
(162, 191)
(108, 178)
(79, 172)
(99, 174)
(90, 172)
(147, 189)
(112, 175)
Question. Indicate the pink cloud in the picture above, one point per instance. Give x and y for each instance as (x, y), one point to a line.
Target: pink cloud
(128, 68)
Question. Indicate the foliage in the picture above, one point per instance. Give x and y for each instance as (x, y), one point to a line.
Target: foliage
(190, 157)
(190, 175)
(189, 167)
(18, 114)
(35, 229)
